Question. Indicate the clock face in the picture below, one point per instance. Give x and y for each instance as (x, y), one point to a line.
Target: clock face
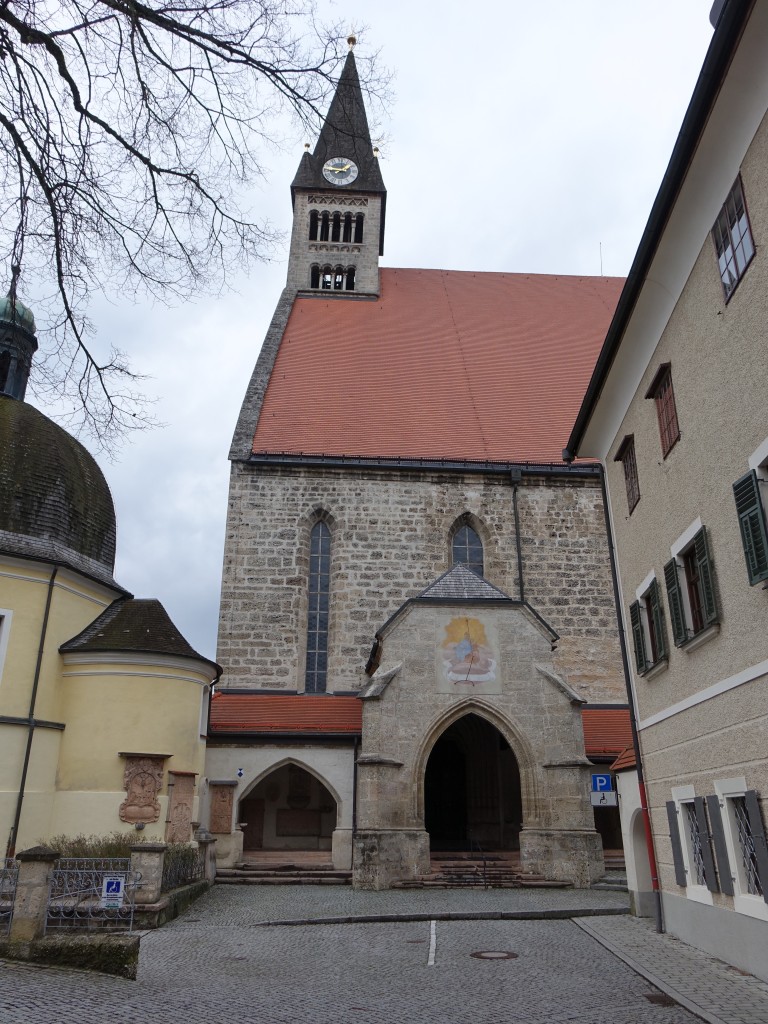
(339, 170)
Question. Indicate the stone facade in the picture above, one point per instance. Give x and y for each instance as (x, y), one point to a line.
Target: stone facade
(391, 537)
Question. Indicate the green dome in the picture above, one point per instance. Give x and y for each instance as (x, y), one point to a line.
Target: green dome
(23, 317)
(55, 504)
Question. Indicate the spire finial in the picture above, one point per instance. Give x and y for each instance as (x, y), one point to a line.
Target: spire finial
(351, 39)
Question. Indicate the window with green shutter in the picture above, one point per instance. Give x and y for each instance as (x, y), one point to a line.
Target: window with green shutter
(754, 536)
(657, 628)
(675, 598)
(638, 638)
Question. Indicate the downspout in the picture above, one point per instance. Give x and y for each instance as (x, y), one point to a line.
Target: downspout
(632, 720)
(10, 849)
(515, 477)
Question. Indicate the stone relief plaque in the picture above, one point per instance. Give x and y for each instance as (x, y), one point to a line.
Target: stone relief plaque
(142, 779)
(182, 791)
(222, 800)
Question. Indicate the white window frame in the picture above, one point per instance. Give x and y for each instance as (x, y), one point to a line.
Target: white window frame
(683, 795)
(743, 901)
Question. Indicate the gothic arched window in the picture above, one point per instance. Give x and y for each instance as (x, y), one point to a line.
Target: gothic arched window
(338, 279)
(467, 549)
(347, 227)
(325, 221)
(327, 278)
(336, 228)
(359, 227)
(316, 676)
(314, 276)
(350, 282)
(313, 219)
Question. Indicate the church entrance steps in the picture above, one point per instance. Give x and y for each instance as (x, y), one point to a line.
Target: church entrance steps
(495, 870)
(266, 871)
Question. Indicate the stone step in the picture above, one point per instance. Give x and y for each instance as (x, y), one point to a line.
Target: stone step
(285, 873)
(283, 880)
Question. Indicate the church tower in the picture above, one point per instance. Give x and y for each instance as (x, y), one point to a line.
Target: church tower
(339, 201)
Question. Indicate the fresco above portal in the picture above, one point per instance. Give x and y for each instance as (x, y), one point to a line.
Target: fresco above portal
(467, 657)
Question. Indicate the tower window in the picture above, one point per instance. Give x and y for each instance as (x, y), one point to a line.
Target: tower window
(314, 276)
(347, 227)
(338, 279)
(359, 227)
(336, 227)
(5, 366)
(350, 283)
(316, 675)
(467, 549)
(313, 219)
(327, 279)
(324, 227)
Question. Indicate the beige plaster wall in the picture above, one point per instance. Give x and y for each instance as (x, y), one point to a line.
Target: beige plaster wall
(719, 360)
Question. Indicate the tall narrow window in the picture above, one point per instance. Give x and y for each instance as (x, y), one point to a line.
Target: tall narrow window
(663, 395)
(5, 366)
(338, 279)
(732, 236)
(316, 676)
(359, 227)
(324, 226)
(326, 278)
(314, 276)
(313, 219)
(347, 227)
(468, 549)
(350, 283)
(336, 228)
(626, 456)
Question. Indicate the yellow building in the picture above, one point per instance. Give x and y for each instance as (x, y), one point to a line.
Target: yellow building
(103, 704)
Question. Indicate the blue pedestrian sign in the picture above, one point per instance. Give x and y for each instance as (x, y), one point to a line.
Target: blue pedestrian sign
(601, 784)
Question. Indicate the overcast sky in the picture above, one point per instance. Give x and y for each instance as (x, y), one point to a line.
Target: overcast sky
(522, 137)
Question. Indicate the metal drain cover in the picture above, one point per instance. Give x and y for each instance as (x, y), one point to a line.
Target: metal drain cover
(494, 954)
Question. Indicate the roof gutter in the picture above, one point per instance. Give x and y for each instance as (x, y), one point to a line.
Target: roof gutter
(729, 29)
(587, 470)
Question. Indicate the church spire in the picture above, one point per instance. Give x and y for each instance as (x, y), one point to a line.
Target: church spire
(339, 200)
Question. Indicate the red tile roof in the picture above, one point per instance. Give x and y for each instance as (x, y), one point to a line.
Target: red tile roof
(606, 731)
(290, 713)
(444, 365)
(625, 761)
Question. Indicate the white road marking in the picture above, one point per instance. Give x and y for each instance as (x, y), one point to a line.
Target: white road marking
(432, 943)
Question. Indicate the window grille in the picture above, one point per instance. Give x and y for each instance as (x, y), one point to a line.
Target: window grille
(746, 846)
(694, 843)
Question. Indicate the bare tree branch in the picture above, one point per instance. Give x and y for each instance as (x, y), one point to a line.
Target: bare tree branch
(127, 132)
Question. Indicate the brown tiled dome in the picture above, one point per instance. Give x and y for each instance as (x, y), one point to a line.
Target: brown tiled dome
(55, 504)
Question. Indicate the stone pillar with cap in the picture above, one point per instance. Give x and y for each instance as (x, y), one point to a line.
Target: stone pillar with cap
(147, 860)
(30, 909)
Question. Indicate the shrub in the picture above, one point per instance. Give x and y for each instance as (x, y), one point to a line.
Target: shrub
(116, 844)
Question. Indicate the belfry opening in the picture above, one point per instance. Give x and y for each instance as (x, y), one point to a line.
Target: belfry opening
(472, 798)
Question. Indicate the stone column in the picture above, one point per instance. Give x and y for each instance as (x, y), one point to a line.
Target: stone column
(207, 844)
(32, 887)
(147, 859)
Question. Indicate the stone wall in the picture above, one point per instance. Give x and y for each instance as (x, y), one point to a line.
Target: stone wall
(391, 534)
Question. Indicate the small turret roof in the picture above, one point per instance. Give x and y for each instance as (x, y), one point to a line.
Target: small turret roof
(136, 625)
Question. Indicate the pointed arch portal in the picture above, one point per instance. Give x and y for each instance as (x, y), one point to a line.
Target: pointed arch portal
(472, 795)
(288, 809)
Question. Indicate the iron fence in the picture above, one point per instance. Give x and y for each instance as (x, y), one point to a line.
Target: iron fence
(9, 872)
(97, 894)
(181, 866)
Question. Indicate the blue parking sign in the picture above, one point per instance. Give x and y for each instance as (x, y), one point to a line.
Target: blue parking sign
(601, 784)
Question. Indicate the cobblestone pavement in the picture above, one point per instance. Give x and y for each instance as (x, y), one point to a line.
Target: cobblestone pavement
(219, 962)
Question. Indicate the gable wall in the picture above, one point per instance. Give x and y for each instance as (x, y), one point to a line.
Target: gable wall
(390, 537)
